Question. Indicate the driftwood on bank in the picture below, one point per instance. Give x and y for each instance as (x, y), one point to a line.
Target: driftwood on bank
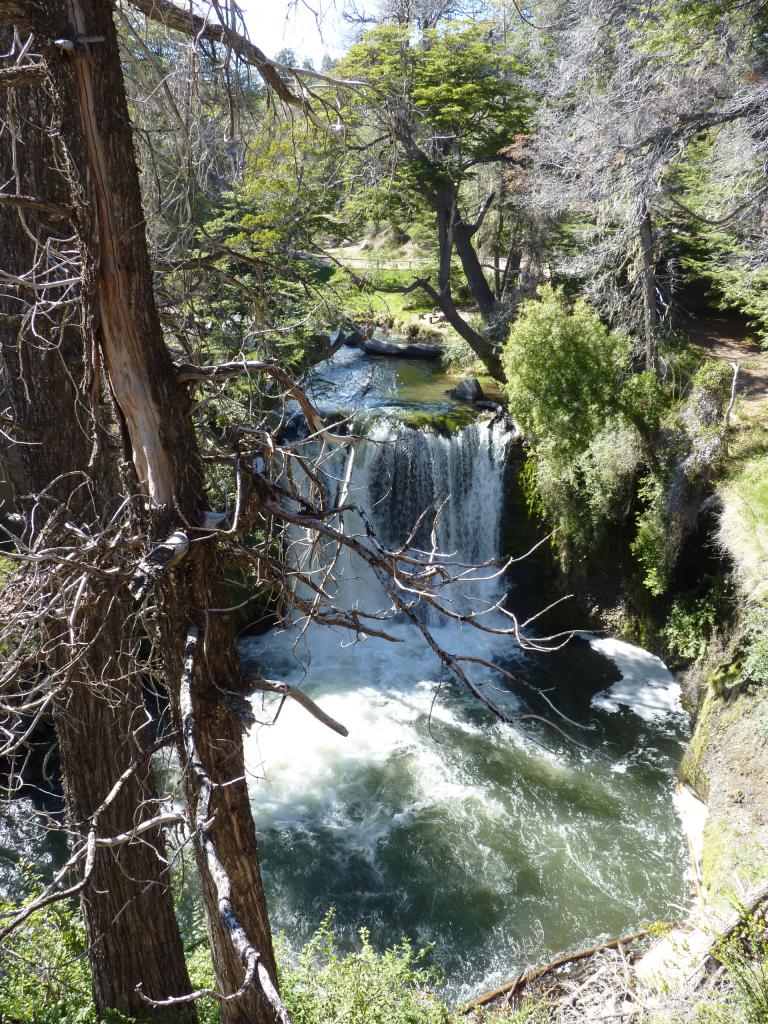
(523, 981)
(415, 350)
(757, 899)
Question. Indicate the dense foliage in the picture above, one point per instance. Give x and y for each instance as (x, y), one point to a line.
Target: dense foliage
(46, 979)
(608, 445)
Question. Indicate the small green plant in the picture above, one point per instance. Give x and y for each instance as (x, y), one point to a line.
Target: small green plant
(322, 985)
(745, 958)
(694, 618)
(44, 975)
(201, 975)
(755, 665)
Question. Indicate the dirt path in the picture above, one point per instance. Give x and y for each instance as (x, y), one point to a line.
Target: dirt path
(729, 340)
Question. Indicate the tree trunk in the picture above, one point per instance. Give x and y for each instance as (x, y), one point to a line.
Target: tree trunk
(647, 273)
(448, 232)
(483, 349)
(482, 292)
(127, 904)
(132, 931)
(156, 416)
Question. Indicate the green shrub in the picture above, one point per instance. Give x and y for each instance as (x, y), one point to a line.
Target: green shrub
(201, 975)
(745, 958)
(755, 665)
(44, 974)
(694, 618)
(651, 545)
(644, 399)
(45, 978)
(608, 469)
(583, 420)
(564, 371)
(323, 986)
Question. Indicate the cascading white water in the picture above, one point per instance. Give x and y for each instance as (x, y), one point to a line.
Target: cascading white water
(406, 471)
(432, 820)
(399, 475)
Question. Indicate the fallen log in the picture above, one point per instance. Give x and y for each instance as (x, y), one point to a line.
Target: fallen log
(416, 350)
(756, 900)
(517, 985)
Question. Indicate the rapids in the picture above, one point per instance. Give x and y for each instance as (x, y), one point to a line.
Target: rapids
(499, 845)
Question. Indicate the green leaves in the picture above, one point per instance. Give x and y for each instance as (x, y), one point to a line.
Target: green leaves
(564, 370)
(462, 92)
(44, 975)
(323, 985)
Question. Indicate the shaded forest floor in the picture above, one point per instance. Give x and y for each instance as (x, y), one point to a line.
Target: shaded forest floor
(728, 339)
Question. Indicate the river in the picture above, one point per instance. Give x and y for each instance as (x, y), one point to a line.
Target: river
(497, 845)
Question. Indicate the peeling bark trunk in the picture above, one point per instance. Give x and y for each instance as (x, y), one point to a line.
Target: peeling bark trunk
(127, 905)
(99, 710)
(155, 411)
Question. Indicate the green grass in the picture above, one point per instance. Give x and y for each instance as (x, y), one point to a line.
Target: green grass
(377, 302)
(744, 525)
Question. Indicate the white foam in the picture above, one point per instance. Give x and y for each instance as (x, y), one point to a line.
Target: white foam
(646, 687)
(385, 695)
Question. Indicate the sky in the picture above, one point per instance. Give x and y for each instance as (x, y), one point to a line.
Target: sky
(274, 25)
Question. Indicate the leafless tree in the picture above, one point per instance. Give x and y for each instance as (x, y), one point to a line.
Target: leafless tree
(618, 108)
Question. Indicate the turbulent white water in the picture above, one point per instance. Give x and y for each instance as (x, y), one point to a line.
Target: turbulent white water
(398, 475)
(432, 820)
(646, 686)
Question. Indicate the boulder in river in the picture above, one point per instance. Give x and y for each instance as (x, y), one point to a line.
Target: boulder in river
(467, 391)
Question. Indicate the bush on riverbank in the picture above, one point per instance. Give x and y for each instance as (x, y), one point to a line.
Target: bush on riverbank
(565, 373)
(45, 978)
(610, 447)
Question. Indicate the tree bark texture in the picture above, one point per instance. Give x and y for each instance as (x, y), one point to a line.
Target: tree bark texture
(647, 273)
(155, 412)
(127, 904)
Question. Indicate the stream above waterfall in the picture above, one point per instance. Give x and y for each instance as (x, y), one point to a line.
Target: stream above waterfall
(497, 844)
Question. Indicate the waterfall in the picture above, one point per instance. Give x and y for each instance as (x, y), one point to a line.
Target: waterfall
(452, 486)
(406, 471)
(432, 820)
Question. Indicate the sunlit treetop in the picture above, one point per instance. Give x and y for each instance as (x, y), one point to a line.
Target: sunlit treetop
(460, 87)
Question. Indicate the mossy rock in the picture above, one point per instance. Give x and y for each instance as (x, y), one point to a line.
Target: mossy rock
(692, 767)
(734, 858)
(727, 764)
(445, 423)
